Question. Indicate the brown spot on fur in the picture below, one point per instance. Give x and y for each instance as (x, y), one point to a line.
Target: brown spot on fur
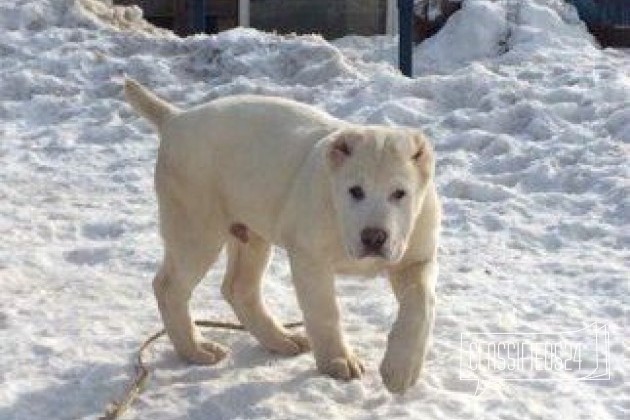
(418, 154)
(343, 147)
(239, 231)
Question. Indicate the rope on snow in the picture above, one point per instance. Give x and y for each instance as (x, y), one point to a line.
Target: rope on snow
(117, 408)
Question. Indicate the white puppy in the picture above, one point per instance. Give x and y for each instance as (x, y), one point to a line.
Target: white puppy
(252, 171)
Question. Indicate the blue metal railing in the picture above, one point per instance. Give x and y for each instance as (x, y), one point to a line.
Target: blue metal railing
(190, 16)
(198, 16)
(405, 31)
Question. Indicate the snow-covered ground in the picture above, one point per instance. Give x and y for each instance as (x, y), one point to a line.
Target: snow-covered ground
(531, 122)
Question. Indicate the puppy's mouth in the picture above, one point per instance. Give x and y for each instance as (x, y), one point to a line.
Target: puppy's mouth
(372, 253)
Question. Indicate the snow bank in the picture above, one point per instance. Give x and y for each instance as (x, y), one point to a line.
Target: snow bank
(127, 18)
(476, 31)
(531, 123)
(36, 15)
(486, 29)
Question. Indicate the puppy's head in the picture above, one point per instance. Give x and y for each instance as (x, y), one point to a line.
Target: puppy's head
(379, 177)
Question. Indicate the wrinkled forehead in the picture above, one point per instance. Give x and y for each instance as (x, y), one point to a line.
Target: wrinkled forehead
(384, 154)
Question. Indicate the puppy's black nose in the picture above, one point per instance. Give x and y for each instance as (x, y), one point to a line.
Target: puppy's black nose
(373, 238)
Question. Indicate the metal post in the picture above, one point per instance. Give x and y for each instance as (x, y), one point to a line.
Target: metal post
(190, 17)
(405, 25)
(243, 13)
(391, 22)
(197, 18)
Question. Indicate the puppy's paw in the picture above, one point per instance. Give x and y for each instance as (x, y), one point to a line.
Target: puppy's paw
(346, 367)
(290, 344)
(399, 373)
(205, 353)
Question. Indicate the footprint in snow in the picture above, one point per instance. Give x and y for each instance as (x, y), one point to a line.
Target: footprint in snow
(87, 256)
(103, 230)
(477, 191)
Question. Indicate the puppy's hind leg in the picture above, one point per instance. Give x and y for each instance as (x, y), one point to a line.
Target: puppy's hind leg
(247, 259)
(181, 271)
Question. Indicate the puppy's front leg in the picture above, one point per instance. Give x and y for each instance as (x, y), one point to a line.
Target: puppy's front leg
(314, 284)
(407, 344)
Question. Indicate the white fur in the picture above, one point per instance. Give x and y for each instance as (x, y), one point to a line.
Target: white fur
(282, 170)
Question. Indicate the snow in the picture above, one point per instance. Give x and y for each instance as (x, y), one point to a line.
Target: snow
(531, 123)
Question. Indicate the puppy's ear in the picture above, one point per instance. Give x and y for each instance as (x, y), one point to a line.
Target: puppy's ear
(342, 147)
(422, 154)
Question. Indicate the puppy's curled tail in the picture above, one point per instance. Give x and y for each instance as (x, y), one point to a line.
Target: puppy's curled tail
(147, 104)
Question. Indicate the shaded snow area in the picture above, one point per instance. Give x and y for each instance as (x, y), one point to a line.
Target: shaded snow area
(531, 123)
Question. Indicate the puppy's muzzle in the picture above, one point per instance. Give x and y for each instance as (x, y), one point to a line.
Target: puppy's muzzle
(373, 240)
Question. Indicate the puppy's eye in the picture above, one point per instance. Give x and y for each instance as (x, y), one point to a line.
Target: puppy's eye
(398, 195)
(357, 193)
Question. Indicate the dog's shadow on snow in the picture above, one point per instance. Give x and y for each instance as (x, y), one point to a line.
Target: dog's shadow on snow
(243, 353)
(235, 399)
(78, 392)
